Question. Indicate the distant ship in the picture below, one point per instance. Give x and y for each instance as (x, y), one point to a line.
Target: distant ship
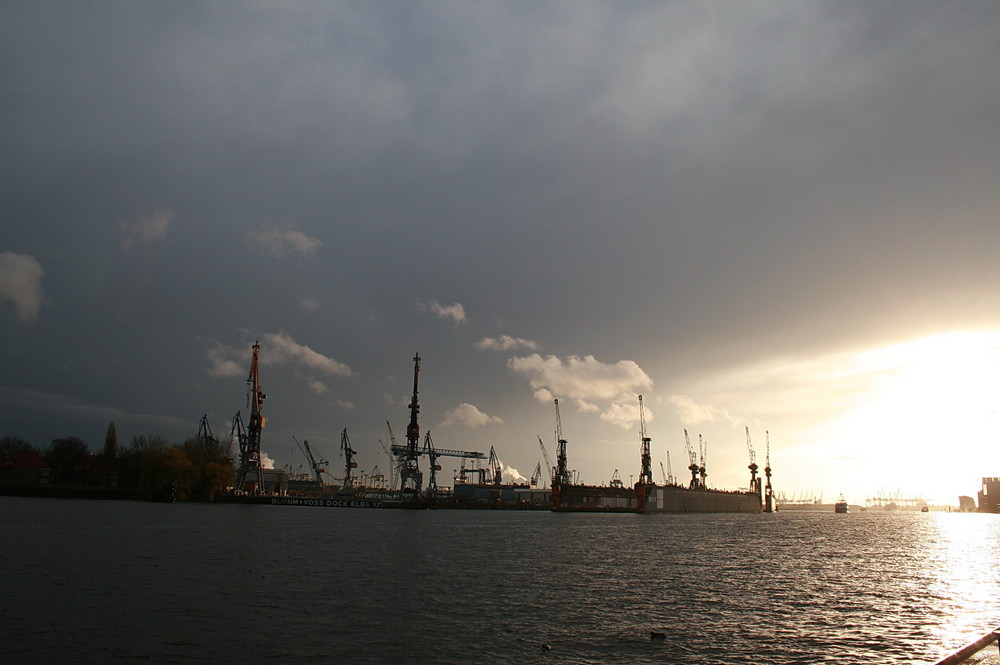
(841, 505)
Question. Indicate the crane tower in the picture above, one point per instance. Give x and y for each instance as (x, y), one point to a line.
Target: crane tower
(646, 472)
(250, 475)
(410, 477)
(754, 480)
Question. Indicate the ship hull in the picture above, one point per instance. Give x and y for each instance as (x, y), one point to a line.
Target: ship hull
(653, 499)
(359, 501)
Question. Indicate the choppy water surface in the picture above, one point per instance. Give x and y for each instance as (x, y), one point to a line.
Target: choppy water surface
(123, 582)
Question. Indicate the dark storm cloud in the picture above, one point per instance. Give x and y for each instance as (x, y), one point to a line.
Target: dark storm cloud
(671, 187)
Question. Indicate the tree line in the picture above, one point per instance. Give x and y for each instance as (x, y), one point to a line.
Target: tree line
(149, 465)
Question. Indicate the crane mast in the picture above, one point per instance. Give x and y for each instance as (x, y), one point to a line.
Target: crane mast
(432, 456)
(496, 471)
(692, 462)
(754, 480)
(562, 469)
(349, 463)
(703, 447)
(250, 475)
(646, 472)
(548, 462)
(410, 477)
(768, 490)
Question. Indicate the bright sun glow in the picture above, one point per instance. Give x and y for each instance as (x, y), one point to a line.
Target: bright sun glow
(923, 419)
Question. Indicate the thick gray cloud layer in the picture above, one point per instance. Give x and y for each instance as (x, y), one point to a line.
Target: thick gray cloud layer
(668, 187)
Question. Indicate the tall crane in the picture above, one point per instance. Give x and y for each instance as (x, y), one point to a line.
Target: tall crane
(702, 471)
(496, 472)
(250, 475)
(432, 456)
(536, 475)
(646, 472)
(562, 469)
(548, 462)
(318, 466)
(349, 463)
(410, 478)
(670, 471)
(754, 480)
(692, 462)
(769, 503)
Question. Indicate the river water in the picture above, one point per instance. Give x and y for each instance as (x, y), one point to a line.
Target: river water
(129, 582)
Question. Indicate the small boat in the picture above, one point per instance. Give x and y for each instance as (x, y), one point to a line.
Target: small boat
(841, 505)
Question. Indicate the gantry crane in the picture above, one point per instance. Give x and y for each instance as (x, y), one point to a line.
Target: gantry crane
(496, 471)
(250, 475)
(349, 463)
(562, 469)
(702, 471)
(548, 462)
(646, 472)
(754, 480)
(318, 466)
(769, 503)
(411, 480)
(432, 456)
(692, 462)
(670, 471)
(535, 475)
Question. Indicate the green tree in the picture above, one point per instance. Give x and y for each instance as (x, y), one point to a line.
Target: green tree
(212, 463)
(111, 442)
(14, 444)
(65, 455)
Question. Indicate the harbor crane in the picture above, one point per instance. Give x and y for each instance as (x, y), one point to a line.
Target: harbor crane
(204, 434)
(411, 479)
(562, 469)
(646, 473)
(349, 463)
(536, 475)
(496, 471)
(318, 466)
(432, 456)
(754, 480)
(548, 462)
(250, 475)
(670, 471)
(769, 503)
(703, 447)
(692, 463)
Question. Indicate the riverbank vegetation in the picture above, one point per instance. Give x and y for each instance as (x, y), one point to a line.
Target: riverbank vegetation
(149, 467)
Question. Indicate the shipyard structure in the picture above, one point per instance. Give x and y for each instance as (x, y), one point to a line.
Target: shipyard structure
(648, 497)
(478, 486)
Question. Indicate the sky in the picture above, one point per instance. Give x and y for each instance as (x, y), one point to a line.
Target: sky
(778, 217)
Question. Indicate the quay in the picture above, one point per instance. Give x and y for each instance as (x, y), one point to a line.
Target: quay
(984, 651)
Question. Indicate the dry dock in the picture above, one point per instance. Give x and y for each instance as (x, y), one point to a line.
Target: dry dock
(984, 651)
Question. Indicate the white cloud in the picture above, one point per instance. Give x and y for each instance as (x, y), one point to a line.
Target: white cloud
(146, 230)
(691, 412)
(506, 343)
(310, 304)
(280, 240)
(344, 404)
(318, 387)
(455, 311)
(21, 283)
(625, 414)
(470, 416)
(225, 361)
(585, 380)
(280, 348)
(276, 349)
